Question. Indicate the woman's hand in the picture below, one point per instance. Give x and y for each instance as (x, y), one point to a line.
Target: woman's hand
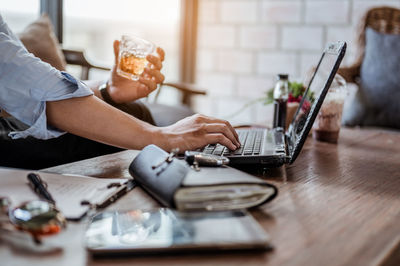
(124, 90)
(196, 132)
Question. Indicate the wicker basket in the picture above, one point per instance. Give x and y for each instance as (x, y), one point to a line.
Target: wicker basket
(384, 19)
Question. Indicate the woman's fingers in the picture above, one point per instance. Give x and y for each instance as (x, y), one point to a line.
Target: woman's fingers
(159, 78)
(149, 82)
(220, 138)
(155, 61)
(150, 78)
(221, 131)
(227, 124)
(209, 120)
(116, 51)
(222, 128)
(161, 53)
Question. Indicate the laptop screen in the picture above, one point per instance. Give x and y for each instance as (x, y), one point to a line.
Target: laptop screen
(313, 97)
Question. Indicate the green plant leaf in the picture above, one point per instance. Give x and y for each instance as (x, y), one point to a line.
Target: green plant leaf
(296, 88)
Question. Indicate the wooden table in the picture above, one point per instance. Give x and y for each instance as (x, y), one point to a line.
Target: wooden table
(337, 205)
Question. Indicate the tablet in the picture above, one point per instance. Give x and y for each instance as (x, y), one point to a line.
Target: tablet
(165, 230)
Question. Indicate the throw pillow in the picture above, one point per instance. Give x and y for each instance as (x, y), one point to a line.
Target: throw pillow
(377, 101)
(39, 39)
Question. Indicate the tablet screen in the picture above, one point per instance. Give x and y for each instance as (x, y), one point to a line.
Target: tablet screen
(165, 230)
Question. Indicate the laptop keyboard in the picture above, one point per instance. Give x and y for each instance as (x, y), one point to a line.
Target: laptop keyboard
(251, 141)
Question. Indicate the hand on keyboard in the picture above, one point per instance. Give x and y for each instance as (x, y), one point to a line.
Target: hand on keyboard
(197, 131)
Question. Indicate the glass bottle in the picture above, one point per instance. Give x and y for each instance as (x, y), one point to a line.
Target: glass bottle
(281, 92)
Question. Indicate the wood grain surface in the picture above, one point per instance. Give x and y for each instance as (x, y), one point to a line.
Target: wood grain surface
(338, 204)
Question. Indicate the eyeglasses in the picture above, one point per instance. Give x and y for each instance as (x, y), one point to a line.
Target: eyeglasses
(38, 218)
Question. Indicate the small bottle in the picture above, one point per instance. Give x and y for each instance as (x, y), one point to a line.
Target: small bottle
(281, 92)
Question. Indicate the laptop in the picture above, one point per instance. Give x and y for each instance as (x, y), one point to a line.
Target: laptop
(274, 147)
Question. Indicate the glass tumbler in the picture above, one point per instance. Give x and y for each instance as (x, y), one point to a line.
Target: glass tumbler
(132, 56)
(327, 124)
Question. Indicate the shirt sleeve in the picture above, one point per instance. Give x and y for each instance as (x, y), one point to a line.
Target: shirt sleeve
(26, 83)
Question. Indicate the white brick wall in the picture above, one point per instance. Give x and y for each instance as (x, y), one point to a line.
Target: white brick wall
(208, 11)
(277, 62)
(218, 36)
(235, 61)
(252, 87)
(206, 60)
(302, 38)
(243, 44)
(217, 84)
(230, 106)
(281, 11)
(327, 12)
(258, 37)
(238, 11)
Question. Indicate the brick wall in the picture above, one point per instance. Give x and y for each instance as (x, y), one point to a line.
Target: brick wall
(243, 44)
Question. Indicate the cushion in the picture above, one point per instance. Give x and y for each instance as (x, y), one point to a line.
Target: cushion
(39, 39)
(377, 101)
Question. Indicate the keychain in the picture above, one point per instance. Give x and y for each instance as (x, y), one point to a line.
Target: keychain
(195, 159)
(167, 159)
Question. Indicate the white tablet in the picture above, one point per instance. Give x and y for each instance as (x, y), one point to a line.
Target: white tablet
(165, 230)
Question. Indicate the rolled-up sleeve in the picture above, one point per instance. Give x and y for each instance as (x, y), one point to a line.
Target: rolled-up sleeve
(26, 83)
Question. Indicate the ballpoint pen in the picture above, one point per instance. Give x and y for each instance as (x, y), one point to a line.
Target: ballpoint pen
(40, 187)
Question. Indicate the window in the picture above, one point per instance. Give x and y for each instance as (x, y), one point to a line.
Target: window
(93, 25)
(19, 13)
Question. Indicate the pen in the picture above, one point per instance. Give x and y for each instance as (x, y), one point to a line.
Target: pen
(40, 187)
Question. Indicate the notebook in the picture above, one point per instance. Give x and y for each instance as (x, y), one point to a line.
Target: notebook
(174, 184)
(74, 195)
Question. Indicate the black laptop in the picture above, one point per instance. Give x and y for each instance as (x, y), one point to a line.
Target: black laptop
(273, 147)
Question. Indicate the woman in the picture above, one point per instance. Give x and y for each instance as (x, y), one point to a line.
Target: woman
(45, 103)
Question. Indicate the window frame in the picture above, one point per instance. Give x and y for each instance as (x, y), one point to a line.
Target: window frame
(54, 8)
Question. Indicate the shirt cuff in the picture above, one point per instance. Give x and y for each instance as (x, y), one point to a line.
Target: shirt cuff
(40, 128)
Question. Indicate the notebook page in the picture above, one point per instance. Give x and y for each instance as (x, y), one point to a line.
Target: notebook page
(67, 190)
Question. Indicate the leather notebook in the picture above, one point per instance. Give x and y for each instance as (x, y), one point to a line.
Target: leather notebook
(175, 184)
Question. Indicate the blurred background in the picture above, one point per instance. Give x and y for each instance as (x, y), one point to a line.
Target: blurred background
(234, 50)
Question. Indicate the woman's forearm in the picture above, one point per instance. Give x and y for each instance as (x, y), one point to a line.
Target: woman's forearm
(92, 118)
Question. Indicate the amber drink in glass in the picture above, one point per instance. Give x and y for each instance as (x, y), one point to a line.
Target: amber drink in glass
(132, 56)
